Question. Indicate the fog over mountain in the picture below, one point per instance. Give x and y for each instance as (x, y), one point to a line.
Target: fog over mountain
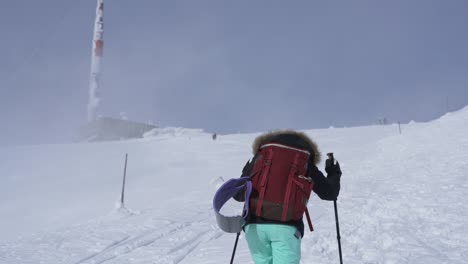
(231, 66)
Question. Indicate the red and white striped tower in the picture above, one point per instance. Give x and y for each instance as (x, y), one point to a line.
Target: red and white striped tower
(98, 44)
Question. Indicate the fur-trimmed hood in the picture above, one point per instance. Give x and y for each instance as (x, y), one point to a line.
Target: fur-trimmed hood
(291, 138)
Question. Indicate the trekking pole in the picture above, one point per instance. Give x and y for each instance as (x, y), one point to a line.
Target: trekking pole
(338, 232)
(235, 247)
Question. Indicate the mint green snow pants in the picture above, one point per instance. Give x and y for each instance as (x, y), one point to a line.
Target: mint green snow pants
(273, 243)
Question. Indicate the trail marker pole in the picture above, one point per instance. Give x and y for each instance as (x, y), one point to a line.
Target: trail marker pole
(122, 196)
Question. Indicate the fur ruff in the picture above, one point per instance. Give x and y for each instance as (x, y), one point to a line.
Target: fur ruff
(266, 138)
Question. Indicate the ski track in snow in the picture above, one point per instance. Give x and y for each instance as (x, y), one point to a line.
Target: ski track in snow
(402, 200)
(178, 250)
(179, 239)
(125, 246)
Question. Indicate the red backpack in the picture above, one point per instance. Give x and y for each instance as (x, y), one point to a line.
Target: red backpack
(281, 187)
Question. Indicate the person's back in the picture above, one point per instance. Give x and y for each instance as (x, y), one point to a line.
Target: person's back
(274, 235)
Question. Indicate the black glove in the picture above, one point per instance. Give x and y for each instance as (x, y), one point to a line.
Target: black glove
(332, 166)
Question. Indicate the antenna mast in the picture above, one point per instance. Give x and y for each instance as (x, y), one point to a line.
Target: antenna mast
(98, 44)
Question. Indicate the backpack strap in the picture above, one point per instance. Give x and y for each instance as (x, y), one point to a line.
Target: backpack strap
(308, 219)
(263, 180)
(289, 187)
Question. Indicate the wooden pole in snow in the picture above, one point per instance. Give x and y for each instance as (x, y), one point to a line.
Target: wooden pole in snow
(122, 196)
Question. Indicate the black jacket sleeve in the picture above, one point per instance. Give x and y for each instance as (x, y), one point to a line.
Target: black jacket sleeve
(245, 172)
(327, 188)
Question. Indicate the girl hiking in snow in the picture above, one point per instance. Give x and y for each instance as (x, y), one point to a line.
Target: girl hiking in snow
(283, 173)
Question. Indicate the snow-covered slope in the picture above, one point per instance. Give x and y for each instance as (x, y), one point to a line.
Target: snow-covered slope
(403, 198)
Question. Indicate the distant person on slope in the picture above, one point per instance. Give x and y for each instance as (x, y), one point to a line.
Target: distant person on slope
(283, 172)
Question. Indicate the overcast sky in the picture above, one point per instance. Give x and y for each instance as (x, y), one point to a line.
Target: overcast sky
(231, 66)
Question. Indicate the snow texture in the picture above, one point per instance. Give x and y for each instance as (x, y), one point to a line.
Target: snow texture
(172, 132)
(403, 198)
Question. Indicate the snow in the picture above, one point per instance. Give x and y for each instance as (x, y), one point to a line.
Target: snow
(403, 198)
